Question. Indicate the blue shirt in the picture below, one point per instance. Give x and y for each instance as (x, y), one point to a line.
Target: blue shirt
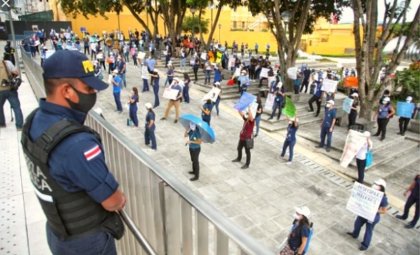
(151, 64)
(295, 238)
(150, 116)
(384, 203)
(209, 107)
(194, 136)
(217, 75)
(117, 88)
(318, 91)
(78, 162)
(291, 133)
(330, 115)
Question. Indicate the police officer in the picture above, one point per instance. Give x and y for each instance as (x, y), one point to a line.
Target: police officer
(8, 71)
(327, 125)
(378, 185)
(194, 142)
(278, 102)
(78, 194)
(316, 98)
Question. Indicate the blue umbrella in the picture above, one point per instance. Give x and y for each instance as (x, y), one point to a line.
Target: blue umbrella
(207, 133)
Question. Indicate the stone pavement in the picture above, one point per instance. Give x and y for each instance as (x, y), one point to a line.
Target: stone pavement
(260, 199)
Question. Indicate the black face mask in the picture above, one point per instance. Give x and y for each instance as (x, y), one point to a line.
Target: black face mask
(86, 101)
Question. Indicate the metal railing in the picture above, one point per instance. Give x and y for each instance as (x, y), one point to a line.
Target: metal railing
(167, 215)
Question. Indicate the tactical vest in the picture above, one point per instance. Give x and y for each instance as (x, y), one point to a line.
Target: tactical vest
(68, 213)
(3, 76)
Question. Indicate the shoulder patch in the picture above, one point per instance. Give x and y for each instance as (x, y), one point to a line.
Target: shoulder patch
(92, 153)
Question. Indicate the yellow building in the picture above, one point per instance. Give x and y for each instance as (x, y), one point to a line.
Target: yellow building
(239, 26)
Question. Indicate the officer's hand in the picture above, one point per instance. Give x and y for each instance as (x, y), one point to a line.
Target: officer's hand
(331, 129)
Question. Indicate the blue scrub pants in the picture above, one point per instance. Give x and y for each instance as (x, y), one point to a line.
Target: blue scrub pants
(186, 94)
(291, 145)
(216, 104)
(124, 79)
(156, 93)
(97, 242)
(133, 114)
(117, 98)
(358, 224)
(145, 85)
(149, 136)
(257, 124)
(276, 105)
(12, 97)
(325, 132)
(207, 77)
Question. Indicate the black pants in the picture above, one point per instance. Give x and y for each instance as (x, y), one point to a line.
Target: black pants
(305, 84)
(352, 117)
(317, 100)
(382, 123)
(194, 154)
(411, 200)
(242, 144)
(403, 123)
(361, 165)
(195, 73)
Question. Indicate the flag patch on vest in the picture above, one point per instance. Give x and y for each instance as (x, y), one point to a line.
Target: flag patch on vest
(92, 153)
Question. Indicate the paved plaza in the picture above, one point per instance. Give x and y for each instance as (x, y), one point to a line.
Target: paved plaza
(260, 199)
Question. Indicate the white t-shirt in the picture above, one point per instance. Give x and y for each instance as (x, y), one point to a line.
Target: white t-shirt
(361, 154)
(10, 67)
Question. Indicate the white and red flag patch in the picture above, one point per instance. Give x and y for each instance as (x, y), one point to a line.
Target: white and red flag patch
(92, 153)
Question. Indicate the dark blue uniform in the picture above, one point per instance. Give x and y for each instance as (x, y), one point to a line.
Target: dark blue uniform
(133, 110)
(155, 85)
(278, 103)
(330, 115)
(149, 132)
(204, 116)
(85, 170)
(195, 151)
(290, 141)
(316, 98)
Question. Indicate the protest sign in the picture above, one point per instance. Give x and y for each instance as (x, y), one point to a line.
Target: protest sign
(203, 56)
(169, 93)
(364, 201)
(405, 109)
(329, 85)
(212, 94)
(231, 63)
(269, 102)
(141, 55)
(264, 72)
(246, 100)
(347, 104)
(351, 82)
(292, 73)
(289, 109)
(354, 142)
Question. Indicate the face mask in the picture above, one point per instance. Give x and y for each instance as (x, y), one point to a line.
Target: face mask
(383, 102)
(86, 101)
(297, 216)
(328, 105)
(376, 187)
(192, 126)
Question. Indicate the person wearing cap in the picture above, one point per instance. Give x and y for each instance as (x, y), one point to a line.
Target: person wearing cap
(74, 175)
(174, 102)
(244, 82)
(327, 125)
(194, 144)
(361, 157)
(116, 90)
(299, 235)
(149, 128)
(244, 137)
(121, 66)
(278, 103)
(413, 198)
(384, 113)
(155, 83)
(379, 185)
(403, 121)
(353, 111)
(290, 140)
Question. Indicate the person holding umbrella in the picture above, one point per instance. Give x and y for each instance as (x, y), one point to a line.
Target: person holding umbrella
(245, 138)
(194, 143)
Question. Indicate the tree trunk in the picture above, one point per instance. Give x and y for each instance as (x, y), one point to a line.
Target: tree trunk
(214, 25)
(137, 17)
(200, 30)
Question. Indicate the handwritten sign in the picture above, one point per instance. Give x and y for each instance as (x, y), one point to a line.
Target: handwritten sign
(264, 72)
(354, 142)
(212, 94)
(347, 104)
(364, 201)
(329, 85)
(405, 109)
(169, 93)
(246, 100)
(268, 106)
(292, 73)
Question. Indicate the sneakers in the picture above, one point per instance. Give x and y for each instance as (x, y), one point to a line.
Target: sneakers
(401, 217)
(328, 149)
(236, 160)
(363, 248)
(350, 234)
(245, 166)
(319, 146)
(194, 178)
(163, 118)
(191, 172)
(175, 121)
(289, 163)
(410, 225)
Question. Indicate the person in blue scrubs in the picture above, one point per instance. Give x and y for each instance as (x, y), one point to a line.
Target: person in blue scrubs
(132, 101)
(155, 85)
(194, 143)
(149, 128)
(116, 89)
(327, 125)
(290, 140)
(379, 185)
(206, 111)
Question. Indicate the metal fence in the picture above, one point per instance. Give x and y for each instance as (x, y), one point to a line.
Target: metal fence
(170, 216)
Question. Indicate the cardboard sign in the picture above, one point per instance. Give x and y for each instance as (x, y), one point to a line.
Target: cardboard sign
(354, 142)
(405, 109)
(169, 93)
(329, 85)
(268, 106)
(347, 104)
(212, 94)
(203, 56)
(245, 101)
(351, 82)
(289, 109)
(364, 201)
(264, 72)
(292, 73)
(141, 55)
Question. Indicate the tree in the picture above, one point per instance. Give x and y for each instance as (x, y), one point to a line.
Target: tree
(192, 24)
(173, 12)
(370, 41)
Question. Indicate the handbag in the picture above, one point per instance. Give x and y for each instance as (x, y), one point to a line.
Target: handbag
(249, 143)
(369, 159)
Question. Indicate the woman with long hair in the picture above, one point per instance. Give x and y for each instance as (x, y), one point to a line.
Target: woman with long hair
(298, 237)
(186, 90)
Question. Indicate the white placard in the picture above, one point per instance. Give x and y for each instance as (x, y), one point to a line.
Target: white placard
(264, 72)
(329, 85)
(364, 201)
(268, 106)
(203, 56)
(354, 142)
(292, 73)
(212, 94)
(169, 93)
(231, 63)
(141, 55)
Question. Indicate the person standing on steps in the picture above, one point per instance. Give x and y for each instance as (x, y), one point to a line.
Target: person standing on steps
(327, 125)
(194, 144)
(403, 121)
(279, 101)
(384, 114)
(290, 140)
(361, 157)
(155, 83)
(317, 98)
(353, 110)
(245, 138)
(413, 198)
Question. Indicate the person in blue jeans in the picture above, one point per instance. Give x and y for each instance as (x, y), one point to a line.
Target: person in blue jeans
(133, 100)
(327, 125)
(278, 102)
(206, 111)
(290, 140)
(6, 93)
(186, 90)
(258, 115)
(379, 185)
(116, 89)
(194, 144)
(217, 102)
(149, 129)
(155, 84)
